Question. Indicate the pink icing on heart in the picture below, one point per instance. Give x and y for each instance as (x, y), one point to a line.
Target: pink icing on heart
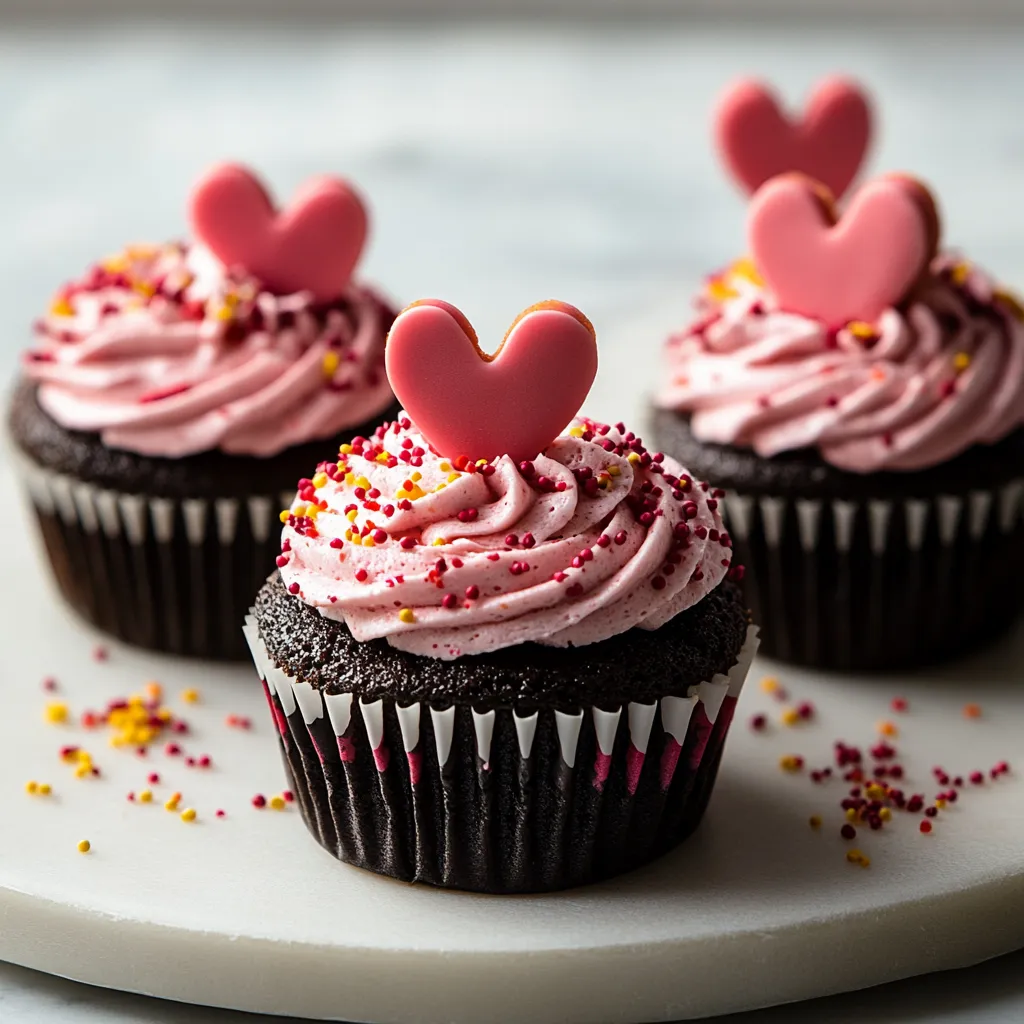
(512, 403)
(829, 143)
(843, 270)
(311, 246)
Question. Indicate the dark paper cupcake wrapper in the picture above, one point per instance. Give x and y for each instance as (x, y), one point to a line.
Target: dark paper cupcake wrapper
(876, 584)
(169, 575)
(495, 801)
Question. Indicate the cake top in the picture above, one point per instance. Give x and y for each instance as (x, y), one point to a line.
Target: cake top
(249, 340)
(447, 556)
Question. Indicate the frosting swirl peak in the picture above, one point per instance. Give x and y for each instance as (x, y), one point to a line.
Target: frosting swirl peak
(922, 384)
(163, 351)
(592, 537)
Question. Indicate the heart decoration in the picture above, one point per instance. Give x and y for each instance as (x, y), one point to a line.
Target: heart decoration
(829, 143)
(515, 402)
(837, 269)
(311, 246)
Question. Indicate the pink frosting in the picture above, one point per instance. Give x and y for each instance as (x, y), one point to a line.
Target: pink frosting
(913, 389)
(164, 352)
(591, 538)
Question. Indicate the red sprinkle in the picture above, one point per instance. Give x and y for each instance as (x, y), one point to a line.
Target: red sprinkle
(848, 831)
(925, 826)
(259, 800)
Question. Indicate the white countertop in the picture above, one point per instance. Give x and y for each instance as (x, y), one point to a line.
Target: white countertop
(503, 166)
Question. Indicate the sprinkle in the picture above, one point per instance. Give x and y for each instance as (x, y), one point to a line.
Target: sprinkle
(888, 729)
(925, 826)
(84, 846)
(100, 653)
(330, 364)
(146, 796)
(407, 615)
(848, 832)
(814, 821)
(172, 804)
(221, 814)
(972, 711)
(856, 857)
(959, 274)
(900, 704)
(190, 696)
(861, 330)
(790, 716)
(32, 788)
(188, 814)
(56, 712)
(277, 803)
(961, 361)
(758, 722)
(791, 762)
(50, 684)
(769, 684)
(259, 801)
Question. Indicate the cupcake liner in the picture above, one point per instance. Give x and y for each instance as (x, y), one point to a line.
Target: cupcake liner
(497, 801)
(169, 575)
(880, 583)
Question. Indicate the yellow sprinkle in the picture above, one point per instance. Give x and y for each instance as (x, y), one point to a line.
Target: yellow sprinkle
(856, 857)
(82, 770)
(790, 763)
(32, 787)
(885, 814)
(790, 716)
(84, 846)
(482, 462)
(369, 542)
(875, 792)
(745, 268)
(861, 329)
(361, 481)
(960, 273)
(440, 487)
(350, 479)
(720, 291)
(406, 615)
(415, 477)
(146, 288)
(769, 684)
(277, 803)
(284, 515)
(188, 814)
(439, 542)
(330, 363)
(814, 821)
(452, 477)
(401, 493)
(190, 696)
(961, 361)
(576, 432)
(940, 803)
(614, 471)
(61, 307)
(633, 457)
(172, 804)
(313, 511)
(851, 814)
(224, 313)
(352, 516)
(345, 449)
(445, 467)
(383, 457)
(146, 796)
(320, 480)
(56, 712)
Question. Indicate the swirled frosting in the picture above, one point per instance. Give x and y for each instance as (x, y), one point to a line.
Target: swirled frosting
(917, 387)
(162, 351)
(593, 537)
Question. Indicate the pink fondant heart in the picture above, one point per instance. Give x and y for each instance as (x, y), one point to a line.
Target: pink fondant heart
(758, 141)
(312, 246)
(850, 269)
(512, 403)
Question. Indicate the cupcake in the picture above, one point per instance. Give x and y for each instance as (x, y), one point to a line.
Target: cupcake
(861, 395)
(173, 395)
(499, 659)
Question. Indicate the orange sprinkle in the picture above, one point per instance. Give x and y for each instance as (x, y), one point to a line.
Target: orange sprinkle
(972, 711)
(888, 729)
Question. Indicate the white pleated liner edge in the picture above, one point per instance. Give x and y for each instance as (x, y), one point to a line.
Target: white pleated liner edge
(676, 712)
(114, 513)
(956, 515)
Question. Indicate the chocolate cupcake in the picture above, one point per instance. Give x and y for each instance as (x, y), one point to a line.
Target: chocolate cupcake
(861, 398)
(511, 668)
(173, 396)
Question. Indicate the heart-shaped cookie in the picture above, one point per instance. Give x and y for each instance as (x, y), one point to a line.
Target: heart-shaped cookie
(758, 141)
(313, 245)
(515, 402)
(837, 269)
